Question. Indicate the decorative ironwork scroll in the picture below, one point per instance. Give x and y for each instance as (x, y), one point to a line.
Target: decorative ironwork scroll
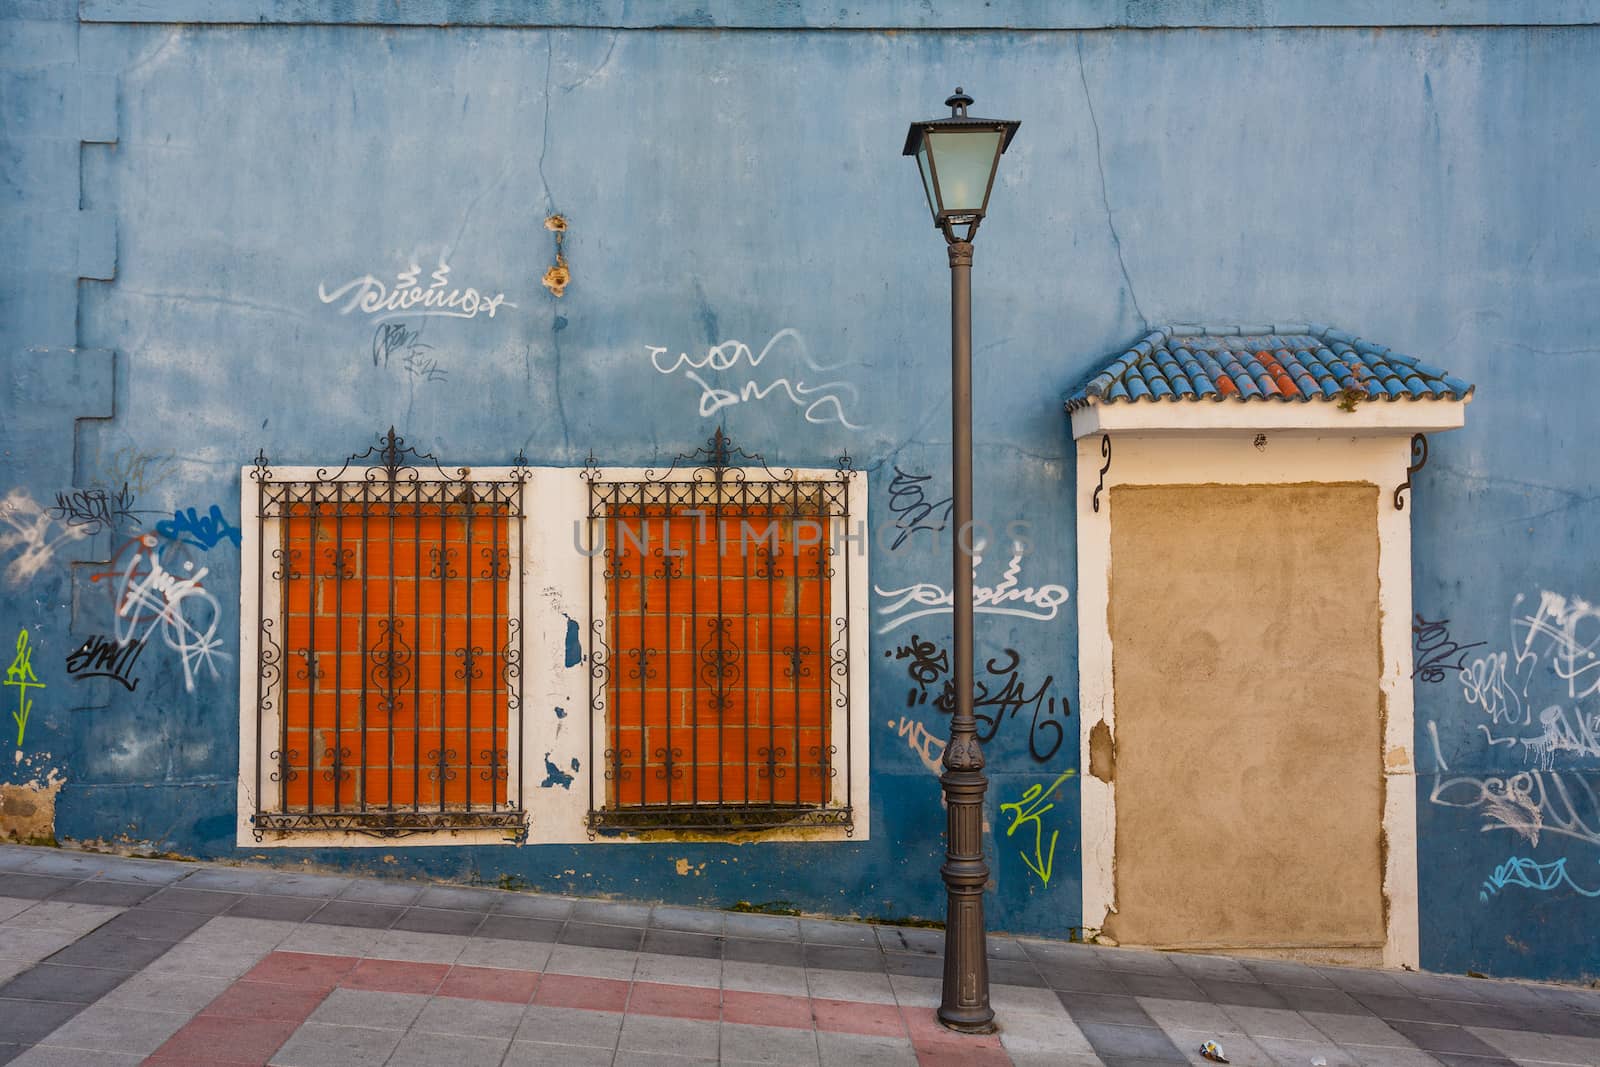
(720, 644)
(1419, 459)
(397, 586)
(1105, 450)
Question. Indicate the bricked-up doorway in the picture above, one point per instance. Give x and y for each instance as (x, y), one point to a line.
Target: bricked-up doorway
(388, 647)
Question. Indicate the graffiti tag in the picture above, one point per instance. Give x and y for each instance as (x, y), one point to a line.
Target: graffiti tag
(151, 598)
(21, 677)
(189, 528)
(1525, 872)
(104, 657)
(372, 297)
(911, 508)
(1436, 652)
(95, 509)
(1040, 603)
(821, 402)
(996, 698)
(1031, 809)
(26, 529)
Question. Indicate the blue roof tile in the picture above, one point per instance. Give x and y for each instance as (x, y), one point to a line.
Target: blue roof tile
(1301, 362)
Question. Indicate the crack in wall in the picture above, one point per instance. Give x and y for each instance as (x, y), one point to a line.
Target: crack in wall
(1105, 198)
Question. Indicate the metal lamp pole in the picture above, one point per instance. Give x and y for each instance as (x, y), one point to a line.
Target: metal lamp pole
(958, 156)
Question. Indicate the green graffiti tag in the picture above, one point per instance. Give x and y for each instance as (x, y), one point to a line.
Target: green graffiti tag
(20, 674)
(1031, 809)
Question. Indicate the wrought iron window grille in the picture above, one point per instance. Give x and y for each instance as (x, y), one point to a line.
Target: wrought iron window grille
(389, 617)
(719, 664)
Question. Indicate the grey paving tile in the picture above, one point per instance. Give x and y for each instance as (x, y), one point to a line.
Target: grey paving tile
(205, 901)
(1105, 1008)
(148, 872)
(1379, 1056)
(1433, 1038)
(419, 1049)
(515, 955)
(438, 920)
(569, 1026)
(62, 864)
(115, 951)
(540, 1054)
(852, 1050)
(610, 913)
(230, 879)
(10, 906)
(1082, 979)
(484, 1018)
(374, 891)
(361, 1007)
(846, 935)
(229, 930)
(1279, 973)
(590, 962)
(1000, 947)
(357, 913)
(1274, 1022)
(53, 1056)
(777, 953)
(458, 898)
(768, 1044)
(686, 920)
(1145, 1042)
(519, 928)
(1452, 1059)
(678, 970)
(834, 958)
(677, 943)
(764, 927)
(32, 886)
(913, 939)
(53, 982)
(221, 961)
(318, 1045)
(1139, 960)
(1168, 987)
(1057, 952)
(418, 948)
(594, 935)
(157, 924)
(1415, 1009)
(33, 944)
(1216, 968)
(1355, 980)
(284, 909)
(117, 1029)
(16, 857)
(1285, 1050)
(1309, 998)
(79, 918)
(321, 886)
(639, 1058)
(1357, 1029)
(533, 906)
(1015, 972)
(24, 1022)
(186, 993)
(1478, 1013)
(681, 1037)
(1444, 987)
(1239, 1049)
(98, 891)
(913, 965)
(1245, 993)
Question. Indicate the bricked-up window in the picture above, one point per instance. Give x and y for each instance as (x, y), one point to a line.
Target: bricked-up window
(389, 648)
(719, 692)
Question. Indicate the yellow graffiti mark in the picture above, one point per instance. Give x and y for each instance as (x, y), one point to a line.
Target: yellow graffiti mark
(1030, 809)
(20, 674)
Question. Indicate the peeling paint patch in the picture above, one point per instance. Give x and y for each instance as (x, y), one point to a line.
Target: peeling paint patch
(561, 712)
(28, 810)
(685, 868)
(1102, 753)
(554, 776)
(1398, 758)
(574, 645)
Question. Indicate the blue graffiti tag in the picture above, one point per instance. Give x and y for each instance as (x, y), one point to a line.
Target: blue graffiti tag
(1529, 874)
(187, 527)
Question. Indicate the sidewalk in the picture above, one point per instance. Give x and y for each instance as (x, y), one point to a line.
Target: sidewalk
(109, 961)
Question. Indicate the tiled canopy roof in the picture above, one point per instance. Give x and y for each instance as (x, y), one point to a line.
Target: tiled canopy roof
(1299, 362)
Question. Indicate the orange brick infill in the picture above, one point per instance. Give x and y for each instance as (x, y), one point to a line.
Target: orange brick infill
(252, 1018)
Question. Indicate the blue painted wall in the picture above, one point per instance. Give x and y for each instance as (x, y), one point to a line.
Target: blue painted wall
(173, 194)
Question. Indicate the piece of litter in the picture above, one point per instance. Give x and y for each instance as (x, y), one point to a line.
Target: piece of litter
(1213, 1052)
(1319, 1061)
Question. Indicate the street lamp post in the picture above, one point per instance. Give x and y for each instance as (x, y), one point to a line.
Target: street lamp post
(958, 157)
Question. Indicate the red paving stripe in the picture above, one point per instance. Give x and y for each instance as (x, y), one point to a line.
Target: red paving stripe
(570, 991)
(251, 1041)
(395, 976)
(265, 1000)
(303, 970)
(766, 1009)
(489, 983)
(850, 1017)
(675, 1001)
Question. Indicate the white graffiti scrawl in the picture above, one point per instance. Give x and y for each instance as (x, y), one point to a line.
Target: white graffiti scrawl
(30, 536)
(410, 297)
(1537, 700)
(163, 593)
(1040, 603)
(820, 401)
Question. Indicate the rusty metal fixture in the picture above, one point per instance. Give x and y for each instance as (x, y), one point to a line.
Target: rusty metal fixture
(558, 277)
(957, 157)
